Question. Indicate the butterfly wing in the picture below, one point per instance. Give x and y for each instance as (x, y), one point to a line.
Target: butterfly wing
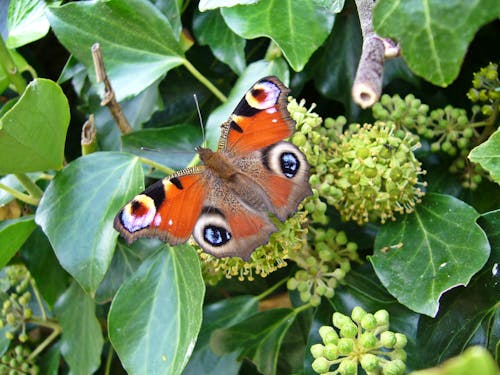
(227, 226)
(260, 119)
(168, 209)
(280, 171)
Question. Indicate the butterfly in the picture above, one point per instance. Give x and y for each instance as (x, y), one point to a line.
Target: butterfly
(225, 202)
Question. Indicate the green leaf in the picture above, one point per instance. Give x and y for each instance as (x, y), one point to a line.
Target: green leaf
(258, 338)
(33, 131)
(466, 314)
(211, 29)
(172, 146)
(21, 65)
(156, 315)
(487, 154)
(39, 257)
(172, 10)
(287, 23)
(137, 42)
(212, 4)
(252, 73)
(434, 34)
(13, 233)
(50, 360)
(442, 247)
(81, 341)
(221, 314)
(78, 208)
(126, 260)
(26, 22)
(475, 360)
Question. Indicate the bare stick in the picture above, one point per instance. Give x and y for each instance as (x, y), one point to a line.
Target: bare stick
(109, 95)
(367, 85)
(88, 139)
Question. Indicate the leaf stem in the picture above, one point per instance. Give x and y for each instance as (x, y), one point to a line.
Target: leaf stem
(270, 290)
(38, 299)
(301, 308)
(156, 165)
(10, 67)
(21, 196)
(32, 188)
(196, 73)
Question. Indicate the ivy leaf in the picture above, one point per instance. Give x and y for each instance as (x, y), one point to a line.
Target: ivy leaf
(172, 10)
(13, 233)
(126, 259)
(260, 345)
(287, 23)
(212, 4)
(156, 315)
(430, 261)
(466, 314)
(252, 73)
(78, 208)
(26, 22)
(137, 42)
(39, 257)
(32, 132)
(175, 143)
(488, 156)
(82, 341)
(217, 315)
(475, 360)
(434, 34)
(211, 29)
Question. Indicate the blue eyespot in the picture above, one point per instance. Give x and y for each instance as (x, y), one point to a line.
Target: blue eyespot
(289, 164)
(216, 236)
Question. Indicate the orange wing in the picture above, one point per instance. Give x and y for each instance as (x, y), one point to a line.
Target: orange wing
(168, 209)
(260, 119)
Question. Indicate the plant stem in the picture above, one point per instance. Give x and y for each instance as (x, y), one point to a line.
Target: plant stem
(156, 165)
(11, 69)
(21, 196)
(45, 343)
(109, 360)
(270, 290)
(301, 308)
(32, 188)
(38, 299)
(205, 81)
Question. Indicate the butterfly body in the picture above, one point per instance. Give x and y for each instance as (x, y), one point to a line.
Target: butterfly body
(225, 202)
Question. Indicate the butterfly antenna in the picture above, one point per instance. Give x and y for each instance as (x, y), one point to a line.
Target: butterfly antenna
(201, 119)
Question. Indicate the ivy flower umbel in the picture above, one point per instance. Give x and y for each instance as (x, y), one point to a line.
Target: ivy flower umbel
(17, 361)
(363, 339)
(375, 174)
(291, 236)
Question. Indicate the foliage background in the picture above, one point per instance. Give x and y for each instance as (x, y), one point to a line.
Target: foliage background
(103, 306)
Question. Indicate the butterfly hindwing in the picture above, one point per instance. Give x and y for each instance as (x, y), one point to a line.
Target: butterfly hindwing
(260, 119)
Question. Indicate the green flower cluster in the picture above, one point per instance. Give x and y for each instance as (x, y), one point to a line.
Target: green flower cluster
(323, 266)
(375, 174)
(362, 339)
(291, 237)
(486, 90)
(15, 309)
(17, 362)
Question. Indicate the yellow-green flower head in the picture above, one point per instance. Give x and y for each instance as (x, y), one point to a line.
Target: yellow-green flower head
(375, 174)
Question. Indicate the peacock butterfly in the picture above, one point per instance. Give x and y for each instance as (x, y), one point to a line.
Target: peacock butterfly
(224, 203)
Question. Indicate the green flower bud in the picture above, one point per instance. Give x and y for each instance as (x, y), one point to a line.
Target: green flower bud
(331, 352)
(329, 335)
(388, 339)
(321, 365)
(348, 329)
(357, 314)
(382, 317)
(401, 341)
(315, 300)
(291, 283)
(369, 362)
(339, 319)
(348, 367)
(345, 345)
(369, 322)
(396, 367)
(317, 350)
(398, 354)
(368, 340)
